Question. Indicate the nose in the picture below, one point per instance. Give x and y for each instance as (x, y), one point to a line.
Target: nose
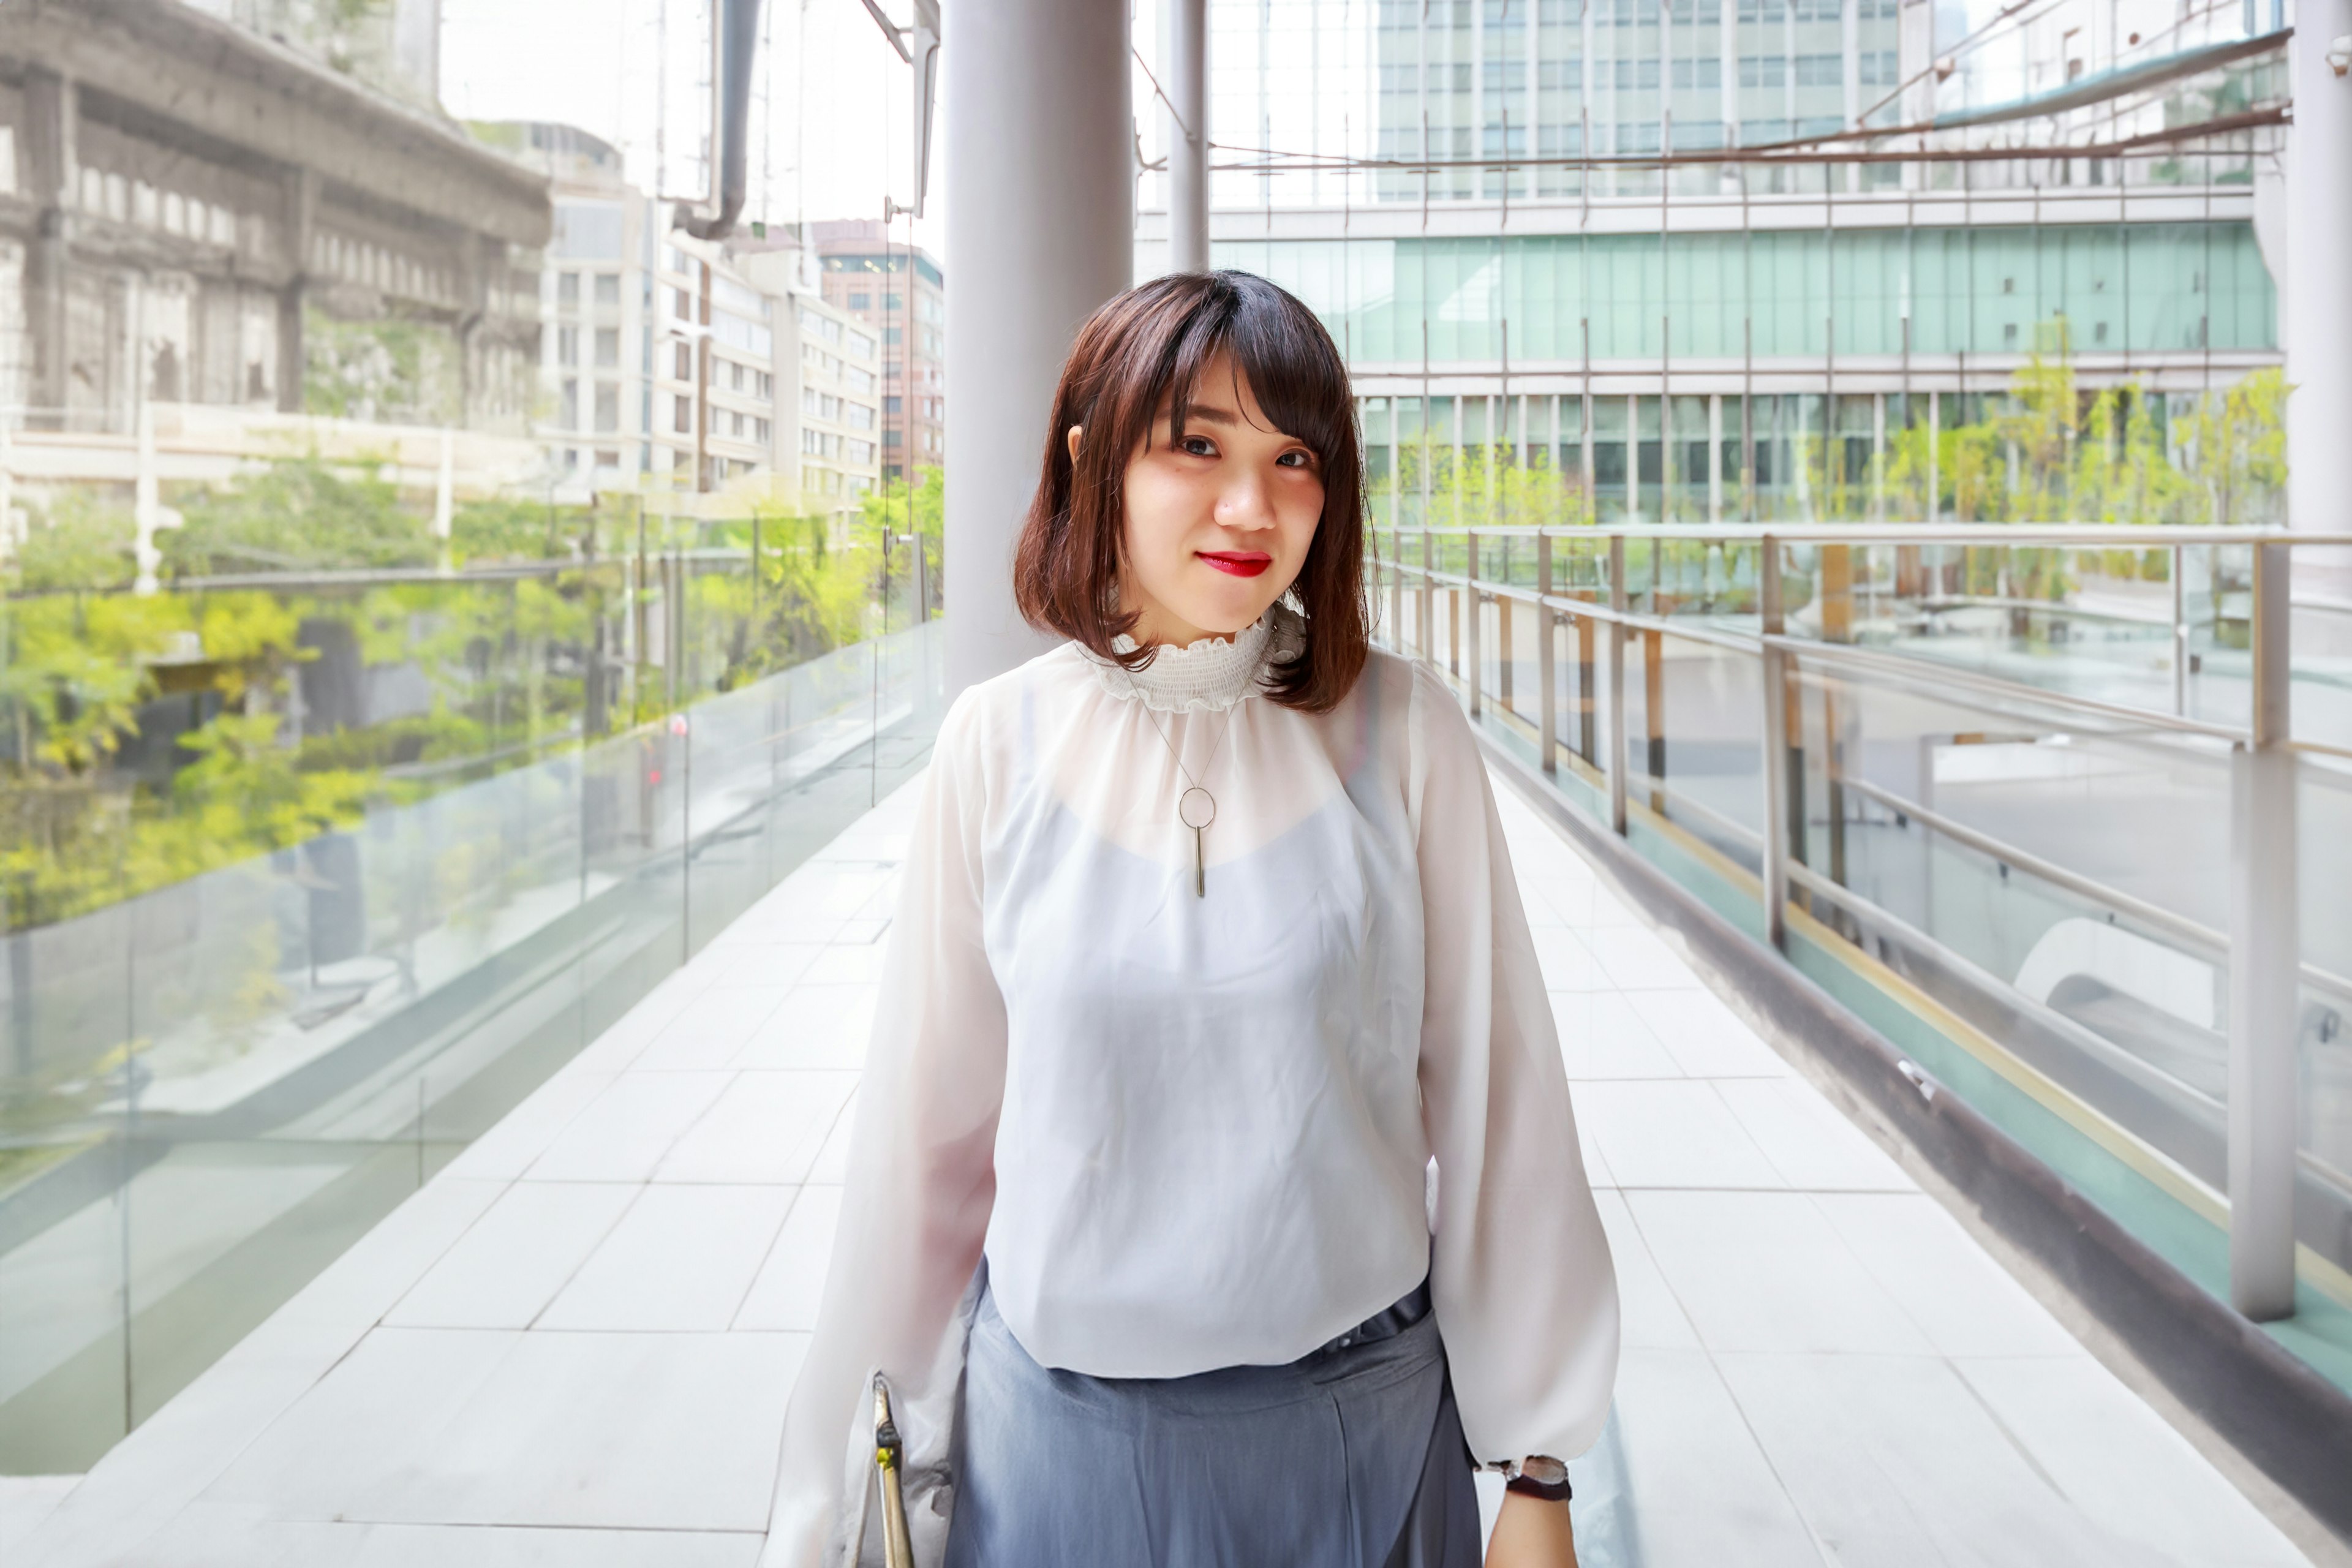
(1243, 503)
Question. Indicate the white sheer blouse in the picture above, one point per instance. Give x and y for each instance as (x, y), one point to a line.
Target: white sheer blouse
(1187, 1132)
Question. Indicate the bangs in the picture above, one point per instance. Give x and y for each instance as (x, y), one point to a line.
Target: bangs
(1281, 350)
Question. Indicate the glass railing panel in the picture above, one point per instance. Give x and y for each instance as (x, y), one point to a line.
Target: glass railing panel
(1694, 769)
(413, 852)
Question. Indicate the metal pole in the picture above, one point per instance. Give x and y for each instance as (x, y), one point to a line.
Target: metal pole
(1188, 136)
(1042, 230)
(1473, 619)
(2264, 953)
(2179, 631)
(1616, 703)
(2319, 348)
(1547, 648)
(1774, 757)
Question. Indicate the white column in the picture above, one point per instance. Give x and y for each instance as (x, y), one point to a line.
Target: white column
(1040, 230)
(2315, 309)
(1187, 87)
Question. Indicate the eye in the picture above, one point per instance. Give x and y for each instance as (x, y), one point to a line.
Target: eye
(1197, 447)
(1297, 459)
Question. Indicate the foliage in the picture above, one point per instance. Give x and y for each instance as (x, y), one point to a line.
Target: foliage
(297, 514)
(84, 541)
(389, 371)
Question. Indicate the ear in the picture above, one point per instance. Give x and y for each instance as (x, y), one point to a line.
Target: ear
(1075, 431)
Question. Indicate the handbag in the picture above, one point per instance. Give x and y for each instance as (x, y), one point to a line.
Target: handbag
(889, 1452)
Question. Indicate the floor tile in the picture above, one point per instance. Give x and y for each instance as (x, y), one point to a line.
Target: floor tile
(791, 1283)
(1703, 1494)
(629, 1431)
(1567, 963)
(624, 1134)
(1966, 1303)
(832, 1167)
(764, 1127)
(1892, 1462)
(1765, 1271)
(1808, 1142)
(681, 1259)
(24, 1502)
(1670, 1133)
(1652, 1318)
(817, 1027)
(709, 1030)
(2123, 1466)
(1635, 958)
(506, 1150)
(762, 964)
(504, 1271)
(1600, 1035)
(505, 1546)
(1706, 1037)
(847, 963)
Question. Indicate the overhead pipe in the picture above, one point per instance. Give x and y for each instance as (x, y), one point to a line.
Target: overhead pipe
(735, 44)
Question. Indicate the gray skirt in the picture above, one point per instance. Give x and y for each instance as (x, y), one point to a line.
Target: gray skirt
(1351, 1456)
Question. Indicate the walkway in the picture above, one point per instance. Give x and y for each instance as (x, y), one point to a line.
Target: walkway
(574, 1344)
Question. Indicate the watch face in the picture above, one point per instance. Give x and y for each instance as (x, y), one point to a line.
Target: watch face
(1544, 1469)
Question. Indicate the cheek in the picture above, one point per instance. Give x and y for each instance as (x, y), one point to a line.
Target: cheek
(1301, 517)
(1160, 510)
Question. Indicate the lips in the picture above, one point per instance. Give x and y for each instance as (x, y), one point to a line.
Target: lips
(1237, 562)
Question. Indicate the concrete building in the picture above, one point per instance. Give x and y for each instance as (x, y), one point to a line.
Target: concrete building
(191, 212)
(897, 292)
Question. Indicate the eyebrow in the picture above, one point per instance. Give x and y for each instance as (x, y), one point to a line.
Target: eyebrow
(1206, 413)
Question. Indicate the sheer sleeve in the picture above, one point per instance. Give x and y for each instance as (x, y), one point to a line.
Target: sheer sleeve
(1525, 1292)
(920, 1183)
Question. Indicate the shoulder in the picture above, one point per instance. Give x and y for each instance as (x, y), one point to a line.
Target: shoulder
(987, 713)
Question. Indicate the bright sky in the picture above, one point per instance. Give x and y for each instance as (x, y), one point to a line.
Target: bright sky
(831, 123)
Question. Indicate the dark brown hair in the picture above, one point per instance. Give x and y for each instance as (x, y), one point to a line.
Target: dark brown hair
(1153, 342)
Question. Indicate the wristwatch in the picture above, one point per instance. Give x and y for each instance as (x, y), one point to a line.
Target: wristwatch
(1541, 1476)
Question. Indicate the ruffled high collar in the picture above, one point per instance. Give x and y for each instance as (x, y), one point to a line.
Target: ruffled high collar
(1208, 675)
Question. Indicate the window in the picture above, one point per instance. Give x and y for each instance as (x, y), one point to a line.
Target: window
(607, 459)
(891, 334)
(861, 345)
(735, 424)
(608, 348)
(684, 421)
(567, 345)
(761, 431)
(894, 302)
(735, 375)
(767, 385)
(858, 452)
(890, 437)
(860, 415)
(890, 403)
(858, 379)
(808, 399)
(608, 288)
(567, 290)
(685, 359)
(861, 302)
(608, 408)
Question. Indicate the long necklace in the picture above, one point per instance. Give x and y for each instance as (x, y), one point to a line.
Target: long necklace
(1196, 807)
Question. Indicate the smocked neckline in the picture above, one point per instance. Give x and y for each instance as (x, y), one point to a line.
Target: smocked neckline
(1210, 676)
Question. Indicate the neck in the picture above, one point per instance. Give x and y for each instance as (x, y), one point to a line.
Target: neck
(1154, 627)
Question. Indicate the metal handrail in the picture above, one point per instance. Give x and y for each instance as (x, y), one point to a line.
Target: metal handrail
(2068, 535)
(2262, 948)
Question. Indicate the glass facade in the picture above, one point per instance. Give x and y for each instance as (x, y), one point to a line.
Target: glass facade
(1807, 294)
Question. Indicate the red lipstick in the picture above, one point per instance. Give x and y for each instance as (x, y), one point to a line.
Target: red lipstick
(1237, 562)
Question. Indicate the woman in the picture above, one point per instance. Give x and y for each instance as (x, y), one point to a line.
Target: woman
(1214, 1195)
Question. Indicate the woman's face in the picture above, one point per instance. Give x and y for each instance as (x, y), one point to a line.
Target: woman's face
(1218, 522)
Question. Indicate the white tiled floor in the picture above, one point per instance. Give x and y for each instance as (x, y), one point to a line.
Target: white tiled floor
(574, 1346)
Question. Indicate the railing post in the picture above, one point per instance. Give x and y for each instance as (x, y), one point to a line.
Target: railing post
(1472, 618)
(1616, 704)
(1396, 581)
(2179, 631)
(1547, 675)
(2265, 959)
(1424, 632)
(1773, 759)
